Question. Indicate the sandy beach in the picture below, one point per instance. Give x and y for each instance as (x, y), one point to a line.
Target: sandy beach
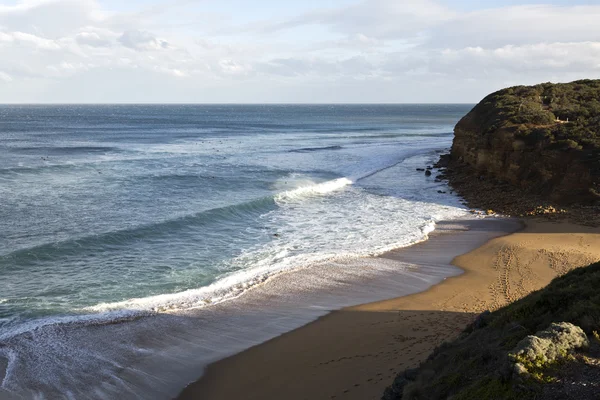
(354, 353)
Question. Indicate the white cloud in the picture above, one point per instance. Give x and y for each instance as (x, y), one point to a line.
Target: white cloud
(375, 18)
(518, 25)
(95, 38)
(49, 18)
(549, 57)
(35, 41)
(27, 39)
(374, 47)
(233, 68)
(141, 40)
(5, 77)
(318, 67)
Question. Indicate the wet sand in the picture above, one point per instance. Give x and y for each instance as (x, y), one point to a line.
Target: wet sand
(354, 353)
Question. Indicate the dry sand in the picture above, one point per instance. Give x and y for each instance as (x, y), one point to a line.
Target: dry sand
(354, 353)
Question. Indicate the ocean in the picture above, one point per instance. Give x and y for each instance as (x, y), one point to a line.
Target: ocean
(122, 224)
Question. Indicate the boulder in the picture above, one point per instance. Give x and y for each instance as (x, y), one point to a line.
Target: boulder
(547, 346)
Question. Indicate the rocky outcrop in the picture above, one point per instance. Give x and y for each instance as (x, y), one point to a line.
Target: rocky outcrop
(536, 352)
(542, 139)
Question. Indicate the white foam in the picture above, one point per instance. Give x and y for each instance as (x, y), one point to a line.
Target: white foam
(315, 223)
(328, 240)
(313, 189)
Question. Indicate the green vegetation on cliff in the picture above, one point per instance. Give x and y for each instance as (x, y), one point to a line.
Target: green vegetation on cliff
(480, 364)
(564, 115)
(542, 139)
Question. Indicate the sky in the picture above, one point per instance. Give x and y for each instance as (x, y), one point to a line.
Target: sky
(289, 51)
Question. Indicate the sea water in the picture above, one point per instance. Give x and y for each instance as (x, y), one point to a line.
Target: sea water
(113, 214)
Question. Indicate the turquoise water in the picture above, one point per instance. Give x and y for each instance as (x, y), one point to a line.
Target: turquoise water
(112, 209)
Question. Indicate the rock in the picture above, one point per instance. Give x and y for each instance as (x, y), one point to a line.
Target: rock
(421, 169)
(428, 173)
(441, 192)
(547, 346)
(443, 161)
(519, 369)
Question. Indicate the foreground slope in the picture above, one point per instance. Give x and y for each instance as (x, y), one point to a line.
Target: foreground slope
(480, 364)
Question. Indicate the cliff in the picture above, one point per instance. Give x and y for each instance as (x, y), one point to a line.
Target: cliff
(518, 151)
(543, 140)
(545, 345)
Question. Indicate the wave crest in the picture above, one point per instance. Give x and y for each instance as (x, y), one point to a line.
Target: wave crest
(316, 189)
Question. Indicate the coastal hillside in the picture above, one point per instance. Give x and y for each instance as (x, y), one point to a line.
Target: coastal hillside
(545, 345)
(522, 151)
(542, 140)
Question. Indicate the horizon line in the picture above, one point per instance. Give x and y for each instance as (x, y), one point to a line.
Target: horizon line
(225, 104)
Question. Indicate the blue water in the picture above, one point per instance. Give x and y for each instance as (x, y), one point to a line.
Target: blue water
(108, 208)
(105, 203)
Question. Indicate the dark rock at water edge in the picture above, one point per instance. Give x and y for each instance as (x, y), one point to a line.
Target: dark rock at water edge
(443, 162)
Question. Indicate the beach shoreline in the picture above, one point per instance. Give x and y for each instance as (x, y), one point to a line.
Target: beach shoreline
(355, 352)
(191, 339)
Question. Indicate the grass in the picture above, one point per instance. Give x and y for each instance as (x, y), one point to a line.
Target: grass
(533, 111)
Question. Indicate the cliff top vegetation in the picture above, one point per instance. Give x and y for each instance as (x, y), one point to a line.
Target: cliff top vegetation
(556, 115)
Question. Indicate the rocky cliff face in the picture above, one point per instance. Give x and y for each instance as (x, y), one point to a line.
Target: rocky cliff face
(543, 139)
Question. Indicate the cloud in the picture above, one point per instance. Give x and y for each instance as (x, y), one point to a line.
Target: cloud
(232, 68)
(27, 39)
(320, 67)
(66, 69)
(378, 47)
(93, 38)
(518, 25)
(360, 40)
(550, 57)
(141, 40)
(49, 18)
(541, 60)
(5, 77)
(376, 18)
